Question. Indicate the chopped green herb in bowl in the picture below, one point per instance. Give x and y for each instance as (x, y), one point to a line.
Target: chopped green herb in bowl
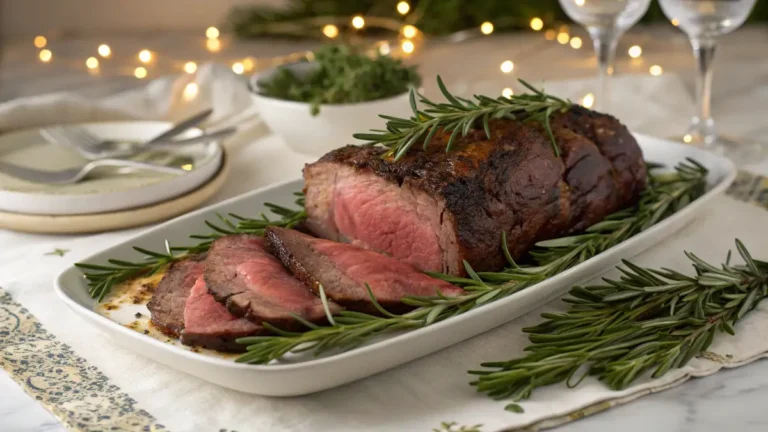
(340, 74)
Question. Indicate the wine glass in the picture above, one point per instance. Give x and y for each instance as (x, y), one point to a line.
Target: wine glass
(606, 21)
(703, 21)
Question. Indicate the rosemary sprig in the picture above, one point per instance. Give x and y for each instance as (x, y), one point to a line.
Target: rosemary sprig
(102, 278)
(668, 192)
(459, 116)
(646, 320)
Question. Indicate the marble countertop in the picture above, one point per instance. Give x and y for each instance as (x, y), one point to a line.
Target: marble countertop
(731, 399)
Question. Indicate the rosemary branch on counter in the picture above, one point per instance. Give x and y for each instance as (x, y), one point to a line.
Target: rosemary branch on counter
(460, 115)
(667, 193)
(646, 320)
(102, 278)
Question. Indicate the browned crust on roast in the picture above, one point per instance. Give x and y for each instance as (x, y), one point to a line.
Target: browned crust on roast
(168, 315)
(515, 183)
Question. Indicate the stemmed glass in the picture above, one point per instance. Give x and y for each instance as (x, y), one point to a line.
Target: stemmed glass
(703, 21)
(606, 21)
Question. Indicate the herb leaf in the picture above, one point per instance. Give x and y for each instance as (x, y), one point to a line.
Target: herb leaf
(462, 115)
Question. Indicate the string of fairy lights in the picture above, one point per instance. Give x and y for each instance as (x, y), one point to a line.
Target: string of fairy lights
(409, 38)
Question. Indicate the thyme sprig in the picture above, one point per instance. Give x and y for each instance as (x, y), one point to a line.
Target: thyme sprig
(648, 319)
(667, 193)
(458, 116)
(102, 278)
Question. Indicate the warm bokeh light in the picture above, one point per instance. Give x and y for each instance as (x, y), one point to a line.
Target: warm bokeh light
(358, 22)
(656, 70)
(576, 42)
(537, 24)
(145, 56)
(507, 92)
(563, 38)
(675, 22)
(238, 68)
(408, 46)
(190, 91)
(550, 34)
(92, 63)
(45, 55)
(104, 50)
(486, 28)
(579, 2)
(330, 31)
(140, 72)
(212, 33)
(190, 67)
(507, 66)
(40, 41)
(588, 100)
(403, 7)
(409, 31)
(687, 138)
(249, 63)
(635, 51)
(384, 48)
(213, 45)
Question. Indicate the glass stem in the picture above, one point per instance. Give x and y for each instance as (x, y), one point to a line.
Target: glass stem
(703, 125)
(605, 41)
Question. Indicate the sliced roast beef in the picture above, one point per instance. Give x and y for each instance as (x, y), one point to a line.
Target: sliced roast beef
(209, 324)
(434, 209)
(344, 269)
(252, 284)
(167, 303)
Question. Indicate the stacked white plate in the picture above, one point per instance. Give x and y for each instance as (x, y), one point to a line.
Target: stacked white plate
(107, 199)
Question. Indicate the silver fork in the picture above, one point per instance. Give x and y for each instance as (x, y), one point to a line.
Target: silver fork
(74, 175)
(92, 147)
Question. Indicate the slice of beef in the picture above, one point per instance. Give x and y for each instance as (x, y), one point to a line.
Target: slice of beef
(167, 303)
(252, 284)
(343, 270)
(434, 209)
(209, 324)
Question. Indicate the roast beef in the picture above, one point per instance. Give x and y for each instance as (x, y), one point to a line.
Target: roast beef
(343, 270)
(209, 324)
(167, 303)
(434, 209)
(252, 284)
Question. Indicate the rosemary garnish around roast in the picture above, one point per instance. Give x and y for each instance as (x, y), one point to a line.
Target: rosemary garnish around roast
(647, 320)
(667, 193)
(101, 278)
(458, 116)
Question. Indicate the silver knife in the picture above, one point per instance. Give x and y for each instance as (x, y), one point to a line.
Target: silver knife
(181, 127)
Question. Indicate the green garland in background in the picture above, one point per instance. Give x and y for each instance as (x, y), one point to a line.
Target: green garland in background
(434, 18)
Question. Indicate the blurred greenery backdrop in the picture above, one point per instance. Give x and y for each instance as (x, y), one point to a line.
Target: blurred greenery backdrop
(433, 17)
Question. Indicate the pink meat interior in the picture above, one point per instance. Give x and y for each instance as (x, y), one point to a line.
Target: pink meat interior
(204, 315)
(388, 278)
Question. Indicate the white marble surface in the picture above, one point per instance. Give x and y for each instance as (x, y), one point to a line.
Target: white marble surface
(730, 400)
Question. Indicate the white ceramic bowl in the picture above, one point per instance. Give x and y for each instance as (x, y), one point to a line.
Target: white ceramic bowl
(332, 127)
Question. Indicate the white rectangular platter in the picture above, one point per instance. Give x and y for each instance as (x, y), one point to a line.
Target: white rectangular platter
(309, 375)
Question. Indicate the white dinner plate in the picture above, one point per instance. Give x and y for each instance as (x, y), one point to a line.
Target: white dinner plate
(304, 375)
(103, 193)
